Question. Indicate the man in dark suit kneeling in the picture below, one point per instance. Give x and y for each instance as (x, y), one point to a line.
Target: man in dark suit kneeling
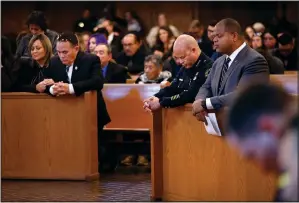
(76, 72)
(112, 72)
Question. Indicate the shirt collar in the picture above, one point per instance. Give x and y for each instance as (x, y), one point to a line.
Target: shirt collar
(110, 38)
(236, 52)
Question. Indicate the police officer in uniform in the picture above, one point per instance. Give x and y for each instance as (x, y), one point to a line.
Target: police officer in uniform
(192, 75)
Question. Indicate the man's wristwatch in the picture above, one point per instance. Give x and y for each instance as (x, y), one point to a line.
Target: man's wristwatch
(204, 104)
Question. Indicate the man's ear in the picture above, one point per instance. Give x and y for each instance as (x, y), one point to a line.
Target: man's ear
(77, 48)
(235, 36)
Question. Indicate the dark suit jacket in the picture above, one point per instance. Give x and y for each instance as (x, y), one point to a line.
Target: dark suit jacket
(116, 73)
(134, 63)
(86, 76)
(248, 67)
(116, 46)
(27, 75)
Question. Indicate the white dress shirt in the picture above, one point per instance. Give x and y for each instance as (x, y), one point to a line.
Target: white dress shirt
(110, 38)
(69, 75)
(232, 58)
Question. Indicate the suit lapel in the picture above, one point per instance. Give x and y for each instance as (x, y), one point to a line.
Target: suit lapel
(232, 67)
(218, 74)
(76, 66)
(108, 72)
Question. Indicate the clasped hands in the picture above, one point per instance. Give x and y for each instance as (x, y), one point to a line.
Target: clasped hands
(59, 88)
(151, 104)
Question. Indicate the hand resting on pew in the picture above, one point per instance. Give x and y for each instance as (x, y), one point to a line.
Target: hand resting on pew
(198, 111)
(61, 88)
(151, 104)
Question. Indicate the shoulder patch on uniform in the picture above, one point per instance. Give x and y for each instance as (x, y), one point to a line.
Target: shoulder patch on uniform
(207, 72)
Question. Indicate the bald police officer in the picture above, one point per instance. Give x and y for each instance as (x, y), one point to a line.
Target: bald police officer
(195, 67)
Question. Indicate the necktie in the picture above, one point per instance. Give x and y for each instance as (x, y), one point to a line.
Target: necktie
(67, 69)
(223, 72)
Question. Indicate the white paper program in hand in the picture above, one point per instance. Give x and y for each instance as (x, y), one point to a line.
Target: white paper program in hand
(212, 127)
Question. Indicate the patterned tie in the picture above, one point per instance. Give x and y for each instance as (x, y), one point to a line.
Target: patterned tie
(224, 70)
(67, 69)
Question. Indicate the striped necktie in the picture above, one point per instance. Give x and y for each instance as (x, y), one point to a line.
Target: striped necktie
(223, 72)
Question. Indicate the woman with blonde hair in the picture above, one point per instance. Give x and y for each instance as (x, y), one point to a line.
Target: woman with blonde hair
(33, 70)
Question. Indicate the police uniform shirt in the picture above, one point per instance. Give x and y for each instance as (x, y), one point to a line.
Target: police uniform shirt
(186, 84)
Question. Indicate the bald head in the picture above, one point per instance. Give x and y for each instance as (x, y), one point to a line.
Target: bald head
(186, 51)
(185, 42)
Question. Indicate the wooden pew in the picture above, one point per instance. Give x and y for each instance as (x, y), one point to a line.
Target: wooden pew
(49, 138)
(124, 103)
(288, 82)
(190, 165)
(130, 81)
(291, 72)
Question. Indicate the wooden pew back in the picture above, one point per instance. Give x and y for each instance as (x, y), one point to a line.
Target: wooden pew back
(288, 82)
(44, 137)
(124, 103)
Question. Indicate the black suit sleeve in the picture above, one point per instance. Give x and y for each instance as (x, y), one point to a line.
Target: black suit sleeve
(96, 78)
(24, 76)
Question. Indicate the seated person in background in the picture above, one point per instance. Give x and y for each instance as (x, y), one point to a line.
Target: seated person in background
(37, 24)
(133, 54)
(164, 43)
(153, 72)
(287, 52)
(114, 40)
(275, 64)
(247, 39)
(192, 75)
(112, 72)
(249, 31)
(162, 21)
(197, 30)
(9, 65)
(32, 73)
(270, 39)
(83, 40)
(263, 138)
(211, 27)
(94, 40)
(259, 27)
